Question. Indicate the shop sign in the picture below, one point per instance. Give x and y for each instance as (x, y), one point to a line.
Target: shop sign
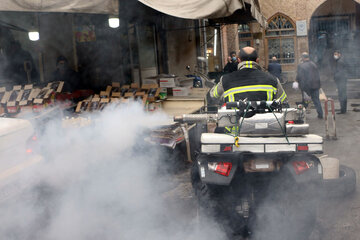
(85, 33)
(301, 28)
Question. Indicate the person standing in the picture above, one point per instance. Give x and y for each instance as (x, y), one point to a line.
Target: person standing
(20, 66)
(232, 64)
(275, 68)
(340, 78)
(64, 73)
(308, 77)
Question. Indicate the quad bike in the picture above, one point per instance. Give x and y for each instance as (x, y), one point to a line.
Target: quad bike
(263, 178)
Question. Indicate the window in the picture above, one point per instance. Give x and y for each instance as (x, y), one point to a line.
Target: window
(245, 36)
(281, 39)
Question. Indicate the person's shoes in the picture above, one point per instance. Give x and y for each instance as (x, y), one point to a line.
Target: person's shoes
(320, 117)
(341, 112)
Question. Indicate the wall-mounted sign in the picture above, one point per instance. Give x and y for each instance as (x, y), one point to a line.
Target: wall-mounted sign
(85, 33)
(301, 28)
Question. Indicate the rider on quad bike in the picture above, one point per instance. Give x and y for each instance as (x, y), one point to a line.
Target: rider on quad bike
(259, 175)
(249, 82)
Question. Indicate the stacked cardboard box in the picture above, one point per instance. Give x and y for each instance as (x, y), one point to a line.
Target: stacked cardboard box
(23, 97)
(117, 94)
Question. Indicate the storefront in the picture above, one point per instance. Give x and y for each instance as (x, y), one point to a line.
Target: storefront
(78, 31)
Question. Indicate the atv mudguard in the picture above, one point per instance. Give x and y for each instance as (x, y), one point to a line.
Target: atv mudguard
(210, 177)
(312, 174)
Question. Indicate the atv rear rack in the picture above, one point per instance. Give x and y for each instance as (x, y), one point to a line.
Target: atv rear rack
(217, 142)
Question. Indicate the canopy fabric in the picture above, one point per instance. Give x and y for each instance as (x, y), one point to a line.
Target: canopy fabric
(73, 6)
(196, 9)
(200, 9)
(255, 12)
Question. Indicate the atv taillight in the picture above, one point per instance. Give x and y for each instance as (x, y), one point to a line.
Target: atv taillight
(31, 144)
(222, 168)
(303, 148)
(226, 148)
(291, 122)
(300, 167)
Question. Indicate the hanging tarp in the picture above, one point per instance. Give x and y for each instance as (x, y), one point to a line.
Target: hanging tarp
(73, 6)
(196, 9)
(200, 9)
(256, 14)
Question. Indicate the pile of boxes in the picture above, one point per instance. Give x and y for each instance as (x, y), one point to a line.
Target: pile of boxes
(176, 86)
(28, 96)
(147, 94)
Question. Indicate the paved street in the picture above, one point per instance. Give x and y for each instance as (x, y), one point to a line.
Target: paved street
(337, 218)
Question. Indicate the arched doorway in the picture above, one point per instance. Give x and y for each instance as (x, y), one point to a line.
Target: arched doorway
(335, 25)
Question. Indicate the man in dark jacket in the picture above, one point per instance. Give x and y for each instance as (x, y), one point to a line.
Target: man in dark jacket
(20, 67)
(232, 64)
(308, 78)
(340, 77)
(249, 82)
(275, 68)
(64, 73)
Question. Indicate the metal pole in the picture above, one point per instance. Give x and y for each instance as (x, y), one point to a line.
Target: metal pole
(205, 45)
(139, 53)
(41, 67)
(326, 119)
(76, 67)
(40, 55)
(221, 48)
(332, 105)
(333, 117)
(130, 52)
(185, 130)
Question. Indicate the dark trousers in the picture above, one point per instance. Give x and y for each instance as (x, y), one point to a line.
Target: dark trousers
(314, 94)
(342, 92)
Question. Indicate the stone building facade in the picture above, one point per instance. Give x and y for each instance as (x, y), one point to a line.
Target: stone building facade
(315, 26)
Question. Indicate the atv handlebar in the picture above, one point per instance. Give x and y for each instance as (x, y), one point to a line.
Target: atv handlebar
(254, 105)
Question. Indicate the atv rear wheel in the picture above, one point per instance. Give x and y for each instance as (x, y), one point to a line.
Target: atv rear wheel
(287, 212)
(212, 207)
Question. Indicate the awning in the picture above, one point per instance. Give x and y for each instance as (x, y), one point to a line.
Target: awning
(73, 6)
(256, 14)
(210, 9)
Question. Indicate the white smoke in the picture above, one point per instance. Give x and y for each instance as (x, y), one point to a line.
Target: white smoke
(99, 182)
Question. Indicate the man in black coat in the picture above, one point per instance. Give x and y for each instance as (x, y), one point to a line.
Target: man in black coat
(275, 68)
(340, 77)
(20, 67)
(232, 64)
(308, 78)
(64, 73)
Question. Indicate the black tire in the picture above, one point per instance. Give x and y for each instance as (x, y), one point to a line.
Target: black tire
(213, 206)
(343, 186)
(206, 194)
